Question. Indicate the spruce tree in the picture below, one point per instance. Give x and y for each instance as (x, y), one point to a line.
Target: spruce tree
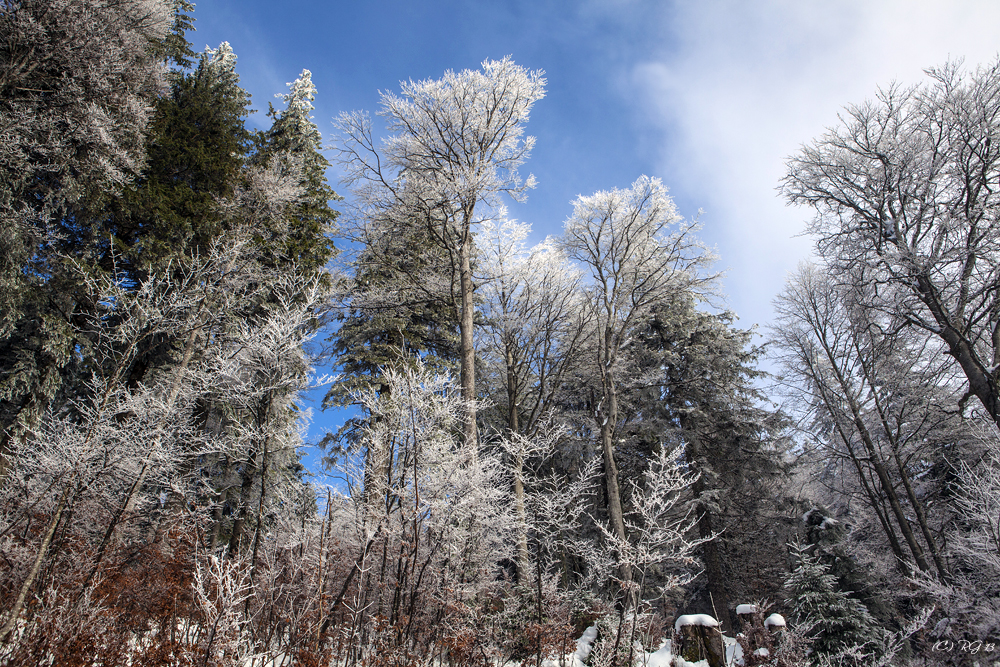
(400, 307)
(837, 621)
(199, 146)
(294, 140)
(707, 369)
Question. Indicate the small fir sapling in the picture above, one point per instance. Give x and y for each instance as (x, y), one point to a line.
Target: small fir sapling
(835, 621)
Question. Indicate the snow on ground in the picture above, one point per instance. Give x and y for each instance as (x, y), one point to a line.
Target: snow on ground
(661, 657)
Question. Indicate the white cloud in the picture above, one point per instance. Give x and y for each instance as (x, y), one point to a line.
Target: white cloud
(745, 83)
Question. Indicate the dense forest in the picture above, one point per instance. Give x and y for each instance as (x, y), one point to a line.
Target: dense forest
(558, 454)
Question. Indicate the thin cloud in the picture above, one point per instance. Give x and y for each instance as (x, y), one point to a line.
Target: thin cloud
(745, 84)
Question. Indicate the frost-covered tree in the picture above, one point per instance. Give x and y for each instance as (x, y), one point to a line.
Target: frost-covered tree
(133, 446)
(78, 81)
(455, 146)
(532, 331)
(637, 254)
(875, 394)
(427, 536)
(306, 231)
(905, 185)
(659, 553)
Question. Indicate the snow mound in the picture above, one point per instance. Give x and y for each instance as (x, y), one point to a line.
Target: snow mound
(777, 620)
(584, 644)
(681, 662)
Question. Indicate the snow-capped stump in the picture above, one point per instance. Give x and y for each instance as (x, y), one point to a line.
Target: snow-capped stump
(775, 622)
(745, 612)
(697, 637)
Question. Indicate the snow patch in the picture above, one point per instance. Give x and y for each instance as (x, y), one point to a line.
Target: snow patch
(584, 644)
(661, 657)
(681, 662)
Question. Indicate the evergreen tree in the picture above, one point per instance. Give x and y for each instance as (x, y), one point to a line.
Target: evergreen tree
(78, 80)
(294, 140)
(838, 622)
(198, 149)
(702, 371)
(399, 306)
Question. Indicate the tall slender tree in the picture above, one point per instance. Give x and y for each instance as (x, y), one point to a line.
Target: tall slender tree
(455, 147)
(639, 255)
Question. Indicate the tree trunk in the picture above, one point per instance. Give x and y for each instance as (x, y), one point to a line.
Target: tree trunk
(713, 562)
(513, 424)
(246, 486)
(468, 350)
(982, 383)
(887, 488)
(614, 498)
(43, 550)
(701, 642)
(875, 460)
(918, 509)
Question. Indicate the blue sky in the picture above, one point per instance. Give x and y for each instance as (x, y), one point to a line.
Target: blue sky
(710, 96)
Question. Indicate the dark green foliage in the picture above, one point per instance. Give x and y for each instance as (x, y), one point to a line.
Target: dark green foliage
(198, 148)
(707, 397)
(836, 620)
(307, 239)
(175, 47)
(400, 307)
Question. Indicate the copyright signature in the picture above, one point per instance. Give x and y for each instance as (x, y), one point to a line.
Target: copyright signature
(964, 646)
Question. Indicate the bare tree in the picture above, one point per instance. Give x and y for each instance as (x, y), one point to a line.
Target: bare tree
(907, 185)
(456, 145)
(878, 388)
(531, 336)
(638, 254)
